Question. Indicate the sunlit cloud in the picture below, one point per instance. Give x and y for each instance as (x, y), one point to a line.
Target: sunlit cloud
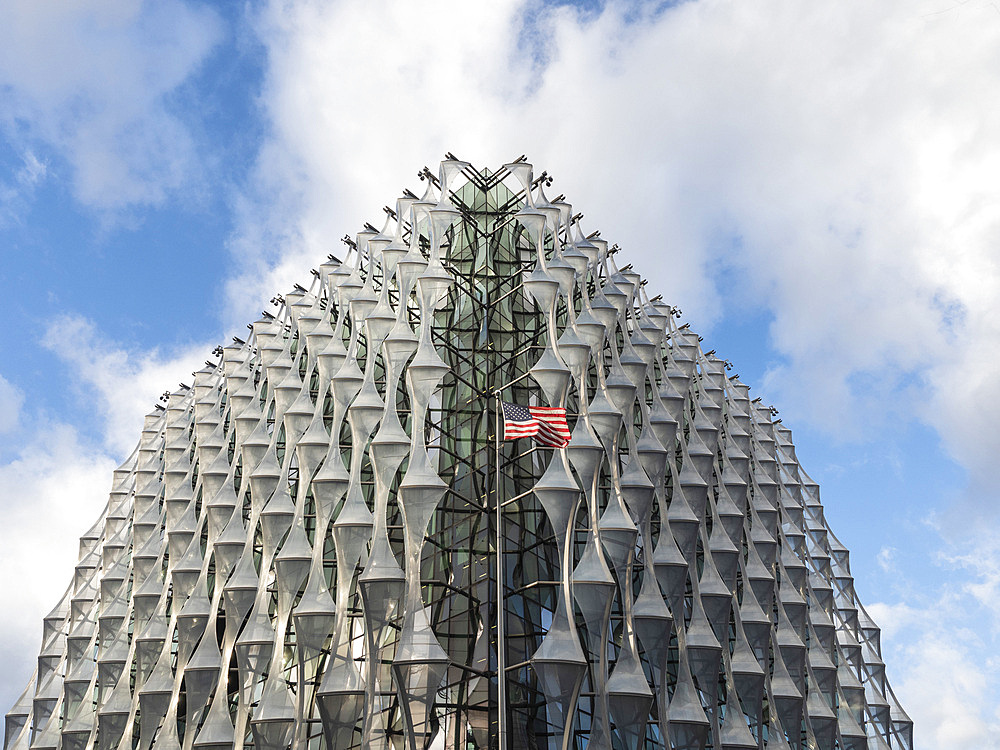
(52, 491)
(93, 81)
(837, 161)
(124, 385)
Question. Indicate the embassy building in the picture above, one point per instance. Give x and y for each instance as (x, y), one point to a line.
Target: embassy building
(325, 541)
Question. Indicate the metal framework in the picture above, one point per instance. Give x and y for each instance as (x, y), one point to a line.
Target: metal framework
(325, 543)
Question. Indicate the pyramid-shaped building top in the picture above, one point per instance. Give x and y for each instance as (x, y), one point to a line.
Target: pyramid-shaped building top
(326, 542)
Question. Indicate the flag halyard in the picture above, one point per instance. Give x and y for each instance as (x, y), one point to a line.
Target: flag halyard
(547, 424)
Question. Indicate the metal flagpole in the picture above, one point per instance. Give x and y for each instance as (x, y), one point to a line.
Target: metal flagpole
(501, 607)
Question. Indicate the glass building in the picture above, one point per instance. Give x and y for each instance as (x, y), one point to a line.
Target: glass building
(325, 541)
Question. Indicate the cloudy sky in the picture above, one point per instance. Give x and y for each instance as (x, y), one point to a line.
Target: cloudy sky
(814, 184)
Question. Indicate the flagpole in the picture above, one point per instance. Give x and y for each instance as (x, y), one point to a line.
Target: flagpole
(501, 605)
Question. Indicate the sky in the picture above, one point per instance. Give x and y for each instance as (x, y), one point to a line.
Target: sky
(813, 184)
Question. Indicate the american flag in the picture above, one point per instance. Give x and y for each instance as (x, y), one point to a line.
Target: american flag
(546, 423)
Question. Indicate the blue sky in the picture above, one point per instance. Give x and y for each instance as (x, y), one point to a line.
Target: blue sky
(813, 185)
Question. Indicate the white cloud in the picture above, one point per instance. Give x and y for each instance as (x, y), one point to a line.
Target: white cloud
(938, 669)
(976, 553)
(837, 161)
(55, 484)
(948, 688)
(354, 120)
(940, 635)
(126, 383)
(16, 193)
(11, 400)
(885, 558)
(93, 80)
(50, 494)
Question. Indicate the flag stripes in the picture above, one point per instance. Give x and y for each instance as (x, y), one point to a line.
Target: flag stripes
(547, 424)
